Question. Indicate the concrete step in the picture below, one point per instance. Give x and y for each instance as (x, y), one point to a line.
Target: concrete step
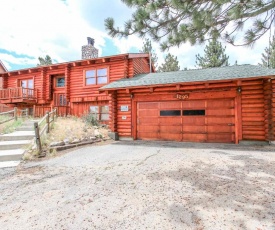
(17, 135)
(7, 145)
(11, 155)
(8, 164)
(25, 128)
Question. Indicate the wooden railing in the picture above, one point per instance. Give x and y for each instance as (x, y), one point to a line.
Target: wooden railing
(20, 92)
(44, 125)
(14, 114)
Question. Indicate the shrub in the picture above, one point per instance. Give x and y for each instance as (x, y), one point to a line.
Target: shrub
(90, 119)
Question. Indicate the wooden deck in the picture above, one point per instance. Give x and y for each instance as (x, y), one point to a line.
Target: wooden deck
(18, 95)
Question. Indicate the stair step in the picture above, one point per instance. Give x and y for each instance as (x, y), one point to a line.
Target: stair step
(11, 155)
(25, 128)
(8, 164)
(6, 145)
(17, 135)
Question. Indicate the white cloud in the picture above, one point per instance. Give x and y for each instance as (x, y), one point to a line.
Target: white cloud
(36, 28)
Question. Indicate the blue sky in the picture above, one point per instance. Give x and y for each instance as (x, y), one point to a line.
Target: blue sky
(33, 28)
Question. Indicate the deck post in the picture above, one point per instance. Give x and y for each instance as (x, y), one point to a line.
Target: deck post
(33, 111)
(37, 137)
(48, 121)
(15, 113)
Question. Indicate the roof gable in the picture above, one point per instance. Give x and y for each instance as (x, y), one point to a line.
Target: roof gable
(2, 67)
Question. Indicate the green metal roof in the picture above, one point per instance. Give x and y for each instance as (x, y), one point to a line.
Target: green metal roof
(197, 75)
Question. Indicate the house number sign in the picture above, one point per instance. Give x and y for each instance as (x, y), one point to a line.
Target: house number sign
(124, 108)
(182, 96)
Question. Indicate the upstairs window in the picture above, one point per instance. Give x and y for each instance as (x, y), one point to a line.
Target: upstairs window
(96, 76)
(60, 82)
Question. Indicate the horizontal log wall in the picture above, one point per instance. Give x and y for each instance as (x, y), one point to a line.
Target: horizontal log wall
(273, 109)
(82, 108)
(253, 110)
(124, 118)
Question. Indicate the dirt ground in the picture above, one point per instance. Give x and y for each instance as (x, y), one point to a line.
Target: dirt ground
(143, 185)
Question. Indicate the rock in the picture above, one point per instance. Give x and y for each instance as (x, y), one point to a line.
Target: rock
(57, 143)
(92, 138)
(84, 139)
(66, 141)
(96, 132)
(75, 141)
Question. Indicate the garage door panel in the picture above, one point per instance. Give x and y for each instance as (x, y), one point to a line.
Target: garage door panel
(193, 104)
(148, 135)
(170, 105)
(194, 137)
(219, 128)
(148, 128)
(197, 129)
(170, 129)
(194, 120)
(220, 137)
(220, 120)
(148, 112)
(148, 105)
(148, 121)
(220, 104)
(170, 120)
(219, 112)
(170, 136)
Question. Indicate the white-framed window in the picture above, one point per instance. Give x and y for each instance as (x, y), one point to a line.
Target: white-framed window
(96, 76)
(101, 113)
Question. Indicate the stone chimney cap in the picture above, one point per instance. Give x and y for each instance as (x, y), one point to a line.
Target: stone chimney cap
(91, 41)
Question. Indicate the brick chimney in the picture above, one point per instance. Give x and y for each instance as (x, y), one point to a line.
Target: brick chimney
(89, 51)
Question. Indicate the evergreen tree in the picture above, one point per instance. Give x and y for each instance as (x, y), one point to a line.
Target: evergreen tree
(147, 48)
(268, 57)
(173, 22)
(214, 56)
(44, 61)
(170, 64)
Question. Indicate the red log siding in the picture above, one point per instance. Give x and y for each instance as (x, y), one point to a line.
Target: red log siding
(273, 109)
(113, 112)
(141, 65)
(80, 109)
(124, 118)
(5, 108)
(253, 110)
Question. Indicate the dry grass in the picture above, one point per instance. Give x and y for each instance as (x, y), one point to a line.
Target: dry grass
(69, 129)
(72, 128)
(10, 126)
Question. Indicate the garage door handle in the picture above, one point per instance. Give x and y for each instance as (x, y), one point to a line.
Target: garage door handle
(230, 124)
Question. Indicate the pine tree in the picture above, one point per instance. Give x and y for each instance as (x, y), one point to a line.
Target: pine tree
(44, 61)
(174, 22)
(170, 64)
(214, 56)
(147, 48)
(268, 57)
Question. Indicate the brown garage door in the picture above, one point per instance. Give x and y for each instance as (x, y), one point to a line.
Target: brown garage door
(196, 120)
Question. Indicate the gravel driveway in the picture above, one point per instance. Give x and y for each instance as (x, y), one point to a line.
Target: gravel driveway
(143, 185)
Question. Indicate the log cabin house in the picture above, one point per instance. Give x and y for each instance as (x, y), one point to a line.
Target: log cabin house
(71, 87)
(3, 69)
(227, 104)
